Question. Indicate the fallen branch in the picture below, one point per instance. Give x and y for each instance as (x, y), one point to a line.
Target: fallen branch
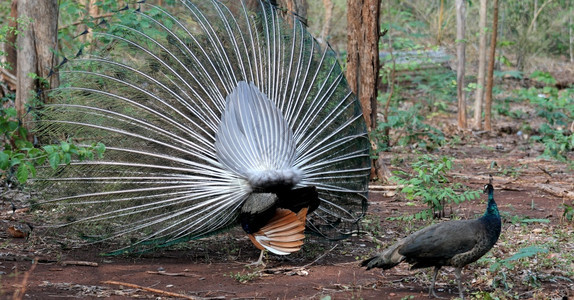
(143, 288)
(556, 191)
(19, 294)
(79, 263)
(385, 187)
(172, 274)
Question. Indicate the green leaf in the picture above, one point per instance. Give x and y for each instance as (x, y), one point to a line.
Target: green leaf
(23, 172)
(65, 146)
(54, 159)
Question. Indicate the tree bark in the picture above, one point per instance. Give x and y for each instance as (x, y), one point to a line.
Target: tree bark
(8, 74)
(490, 80)
(298, 7)
(571, 34)
(460, 52)
(440, 20)
(353, 36)
(35, 52)
(363, 54)
(481, 67)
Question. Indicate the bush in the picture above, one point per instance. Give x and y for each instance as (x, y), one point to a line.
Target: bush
(429, 184)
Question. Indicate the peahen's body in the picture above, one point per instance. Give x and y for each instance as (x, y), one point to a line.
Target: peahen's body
(213, 113)
(452, 243)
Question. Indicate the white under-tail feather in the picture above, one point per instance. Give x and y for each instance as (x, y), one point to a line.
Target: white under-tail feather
(199, 104)
(254, 140)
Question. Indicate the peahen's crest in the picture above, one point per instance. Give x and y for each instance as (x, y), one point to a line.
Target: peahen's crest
(165, 90)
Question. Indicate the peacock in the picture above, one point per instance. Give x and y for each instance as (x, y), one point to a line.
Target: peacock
(453, 243)
(214, 113)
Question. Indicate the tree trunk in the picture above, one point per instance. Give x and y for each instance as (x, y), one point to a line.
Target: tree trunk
(298, 7)
(440, 20)
(481, 67)
(363, 32)
(326, 30)
(8, 74)
(490, 80)
(36, 44)
(353, 36)
(571, 34)
(460, 53)
(363, 54)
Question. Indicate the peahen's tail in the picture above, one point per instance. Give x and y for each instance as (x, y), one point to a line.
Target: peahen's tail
(200, 104)
(387, 259)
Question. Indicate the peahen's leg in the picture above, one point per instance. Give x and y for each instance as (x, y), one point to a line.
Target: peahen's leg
(457, 273)
(431, 289)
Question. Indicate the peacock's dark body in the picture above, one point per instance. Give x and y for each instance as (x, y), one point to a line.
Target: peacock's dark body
(213, 113)
(452, 243)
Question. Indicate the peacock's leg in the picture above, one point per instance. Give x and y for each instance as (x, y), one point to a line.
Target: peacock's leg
(259, 262)
(431, 289)
(457, 273)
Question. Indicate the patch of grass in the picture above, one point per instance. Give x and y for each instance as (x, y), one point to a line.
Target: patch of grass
(243, 277)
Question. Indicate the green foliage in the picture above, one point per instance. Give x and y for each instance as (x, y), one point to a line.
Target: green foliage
(557, 145)
(568, 214)
(20, 157)
(429, 184)
(503, 266)
(557, 108)
(409, 130)
(543, 77)
(7, 30)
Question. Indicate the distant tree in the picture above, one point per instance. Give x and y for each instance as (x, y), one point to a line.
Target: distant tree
(461, 56)
(326, 29)
(477, 125)
(36, 45)
(490, 80)
(571, 32)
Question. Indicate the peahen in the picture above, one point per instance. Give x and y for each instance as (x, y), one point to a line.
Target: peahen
(213, 114)
(452, 243)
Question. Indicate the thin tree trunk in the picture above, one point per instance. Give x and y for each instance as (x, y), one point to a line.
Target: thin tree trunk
(326, 30)
(481, 67)
(299, 7)
(571, 34)
(460, 52)
(8, 74)
(440, 20)
(370, 61)
(35, 52)
(490, 80)
(354, 8)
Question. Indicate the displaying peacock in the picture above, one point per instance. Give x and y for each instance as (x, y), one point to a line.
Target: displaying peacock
(214, 114)
(452, 243)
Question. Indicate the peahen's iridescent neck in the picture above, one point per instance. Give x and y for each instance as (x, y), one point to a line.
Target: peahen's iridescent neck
(491, 208)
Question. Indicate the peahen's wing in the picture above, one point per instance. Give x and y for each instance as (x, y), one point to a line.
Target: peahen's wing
(441, 241)
(153, 89)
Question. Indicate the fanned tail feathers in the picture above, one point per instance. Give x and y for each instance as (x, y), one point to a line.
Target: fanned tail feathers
(164, 88)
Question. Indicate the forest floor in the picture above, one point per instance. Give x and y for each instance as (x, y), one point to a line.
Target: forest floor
(527, 190)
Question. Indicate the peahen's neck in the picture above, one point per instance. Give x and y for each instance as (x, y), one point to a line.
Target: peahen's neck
(491, 208)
